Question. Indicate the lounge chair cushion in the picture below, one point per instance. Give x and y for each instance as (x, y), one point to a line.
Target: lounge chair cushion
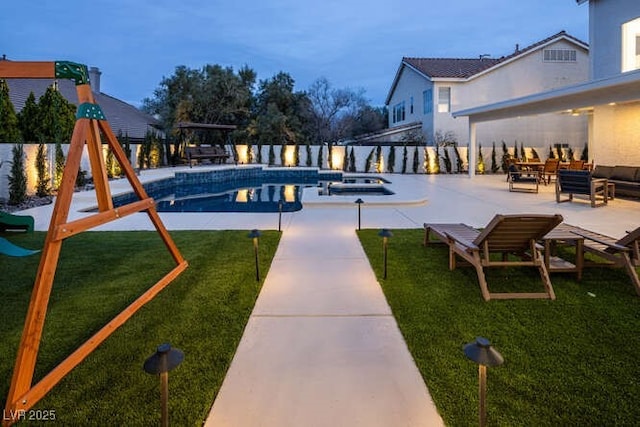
(624, 173)
(602, 172)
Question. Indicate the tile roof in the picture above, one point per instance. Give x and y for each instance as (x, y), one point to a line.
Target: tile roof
(121, 116)
(467, 67)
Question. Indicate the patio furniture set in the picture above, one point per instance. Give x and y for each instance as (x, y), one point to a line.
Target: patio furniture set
(528, 240)
(575, 178)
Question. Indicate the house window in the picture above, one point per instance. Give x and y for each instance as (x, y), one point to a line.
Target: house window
(398, 112)
(411, 105)
(631, 45)
(444, 100)
(559, 55)
(427, 101)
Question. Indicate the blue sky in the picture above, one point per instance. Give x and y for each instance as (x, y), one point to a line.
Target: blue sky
(354, 44)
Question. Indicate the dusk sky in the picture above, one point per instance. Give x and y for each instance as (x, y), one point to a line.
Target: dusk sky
(354, 44)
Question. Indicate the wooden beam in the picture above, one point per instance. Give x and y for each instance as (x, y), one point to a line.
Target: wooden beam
(72, 228)
(27, 70)
(33, 395)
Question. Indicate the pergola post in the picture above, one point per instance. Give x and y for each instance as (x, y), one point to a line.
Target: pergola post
(472, 148)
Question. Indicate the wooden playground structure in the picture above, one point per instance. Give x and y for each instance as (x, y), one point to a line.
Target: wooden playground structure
(90, 125)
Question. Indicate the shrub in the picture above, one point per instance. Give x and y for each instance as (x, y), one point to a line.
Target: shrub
(505, 157)
(57, 179)
(459, 164)
(404, 159)
(379, 159)
(585, 153)
(447, 160)
(17, 177)
(494, 161)
(352, 161)
(480, 166)
(320, 157)
(296, 155)
(392, 159)
(272, 155)
(308, 160)
(367, 165)
(259, 154)
(42, 185)
(436, 162)
(427, 160)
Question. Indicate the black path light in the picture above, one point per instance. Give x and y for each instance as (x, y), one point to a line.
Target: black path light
(481, 352)
(280, 215)
(359, 202)
(254, 234)
(161, 362)
(385, 233)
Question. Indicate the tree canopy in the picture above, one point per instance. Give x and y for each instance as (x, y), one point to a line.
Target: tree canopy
(9, 131)
(274, 112)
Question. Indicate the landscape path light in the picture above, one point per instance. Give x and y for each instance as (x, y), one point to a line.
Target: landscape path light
(481, 352)
(385, 233)
(160, 363)
(359, 202)
(254, 234)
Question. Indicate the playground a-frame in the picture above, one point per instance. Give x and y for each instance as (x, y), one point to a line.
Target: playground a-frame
(91, 129)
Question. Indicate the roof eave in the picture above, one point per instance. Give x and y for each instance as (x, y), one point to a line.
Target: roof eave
(620, 88)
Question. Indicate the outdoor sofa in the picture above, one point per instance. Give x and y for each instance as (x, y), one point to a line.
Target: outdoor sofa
(625, 178)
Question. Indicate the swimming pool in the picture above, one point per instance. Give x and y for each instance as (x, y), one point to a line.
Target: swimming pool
(246, 189)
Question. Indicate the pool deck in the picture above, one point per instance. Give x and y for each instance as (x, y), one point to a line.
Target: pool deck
(321, 346)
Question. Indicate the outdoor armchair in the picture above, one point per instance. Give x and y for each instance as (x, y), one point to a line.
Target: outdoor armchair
(572, 182)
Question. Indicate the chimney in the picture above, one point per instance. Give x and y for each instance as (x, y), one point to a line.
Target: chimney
(94, 79)
(517, 48)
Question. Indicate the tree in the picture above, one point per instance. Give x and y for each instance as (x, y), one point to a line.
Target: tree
(335, 113)
(28, 120)
(17, 177)
(56, 117)
(59, 161)
(404, 159)
(585, 153)
(480, 165)
(308, 161)
(505, 157)
(42, 184)
(379, 159)
(494, 162)
(280, 113)
(416, 160)
(367, 165)
(391, 160)
(320, 164)
(9, 130)
(211, 94)
(352, 161)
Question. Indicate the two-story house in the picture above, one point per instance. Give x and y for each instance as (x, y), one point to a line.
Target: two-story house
(610, 99)
(428, 90)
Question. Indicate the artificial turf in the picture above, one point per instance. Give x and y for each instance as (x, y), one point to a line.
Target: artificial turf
(568, 362)
(203, 313)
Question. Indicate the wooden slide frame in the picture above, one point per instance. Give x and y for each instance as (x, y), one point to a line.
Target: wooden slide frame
(89, 124)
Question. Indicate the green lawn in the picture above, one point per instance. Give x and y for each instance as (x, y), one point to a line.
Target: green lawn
(569, 362)
(203, 313)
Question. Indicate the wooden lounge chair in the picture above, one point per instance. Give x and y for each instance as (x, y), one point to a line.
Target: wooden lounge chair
(8, 248)
(580, 182)
(624, 252)
(16, 222)
(504, 235)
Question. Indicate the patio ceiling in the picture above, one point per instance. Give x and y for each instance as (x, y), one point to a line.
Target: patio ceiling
(620, 88)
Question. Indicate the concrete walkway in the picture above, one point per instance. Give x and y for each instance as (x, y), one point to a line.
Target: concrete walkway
(321, 347)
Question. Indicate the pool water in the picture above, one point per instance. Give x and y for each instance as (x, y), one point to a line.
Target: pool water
(253, 189)
(263, 198)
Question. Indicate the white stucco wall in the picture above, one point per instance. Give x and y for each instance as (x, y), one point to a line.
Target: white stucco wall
(525, 75)
(605, 22)
(616, 135)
